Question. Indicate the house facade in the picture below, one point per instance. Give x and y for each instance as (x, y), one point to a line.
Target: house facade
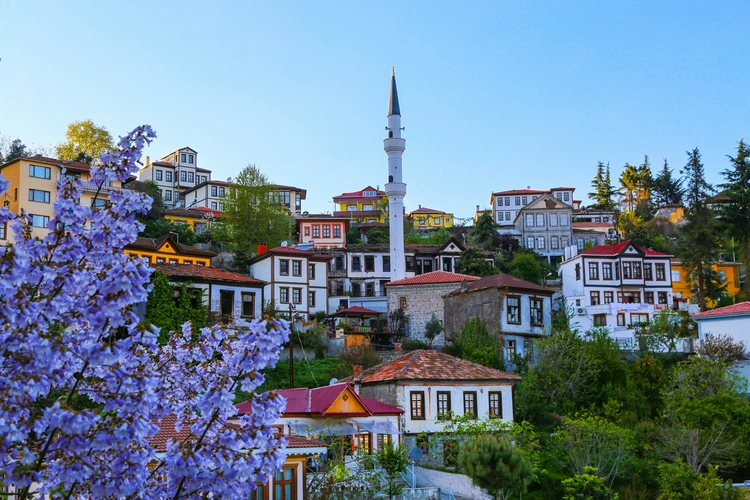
(428, 218)
(619, 287)
(517, 311)
(322, 231)
(421, 297)
(544, 225)
(211, 194)
(175, 174)
(296, 280)
(685, 291)
(166, 250)
(362, 206)
(289, 196)
(431, 386)
(198, 218)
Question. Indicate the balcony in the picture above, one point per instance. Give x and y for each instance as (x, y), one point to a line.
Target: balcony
(357, 213)
(93, 187)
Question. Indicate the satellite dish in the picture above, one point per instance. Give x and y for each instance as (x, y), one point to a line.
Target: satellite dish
(284, 243)
(415, 454)
(63, 170)
(333, 381)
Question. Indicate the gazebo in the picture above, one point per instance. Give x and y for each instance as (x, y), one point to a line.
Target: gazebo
(360, 332)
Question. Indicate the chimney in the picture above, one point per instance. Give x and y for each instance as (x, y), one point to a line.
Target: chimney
(420, 206)
(148, 160)
(356, 369)
(262, 248)
(477, 208)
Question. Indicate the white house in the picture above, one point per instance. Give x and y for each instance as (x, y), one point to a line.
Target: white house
(733, 321)
(175, 173)
(296, 278)
(208, 194)
(618, 287)
(545, 226)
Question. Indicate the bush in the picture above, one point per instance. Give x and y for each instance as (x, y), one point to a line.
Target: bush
(476, 344)
(314, 337)
(362, 355)
(414, 344)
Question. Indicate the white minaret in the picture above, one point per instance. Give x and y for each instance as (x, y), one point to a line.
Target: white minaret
(394, 146)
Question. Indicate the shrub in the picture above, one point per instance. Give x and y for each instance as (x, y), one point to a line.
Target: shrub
(414, 344)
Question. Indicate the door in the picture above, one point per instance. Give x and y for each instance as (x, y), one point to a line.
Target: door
(226, 299)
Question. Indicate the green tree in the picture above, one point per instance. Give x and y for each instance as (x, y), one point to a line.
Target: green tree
(697, 189)
(151, 188)
(379, 235)
(17, 150)
(156, 228)
(587, 486)
(526, 266)
(393, 460)
(679, 482)
(476, 344)
(604, 191)
(473, 261)
(735, 211)
(667, 189)
(493, 463)
(628, 186)
(665, 330)
(252, 216)
(169, 306)
(485, 232)
(432, 329)
(85, 142)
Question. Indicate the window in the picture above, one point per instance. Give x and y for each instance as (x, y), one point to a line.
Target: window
(638, 319)
(540, 242)
(563, 241)
(510, 350)
(337, 231)
(566, 196)
(183, 157)
(214, 205)
(3, 231)
(296, 268)
(594, 298)
(159, 175)
(662, 297)
(647, 273)
(421, 221)
(606, 270)
(600, 320)
(554, 242)
(369, 263)
(311, 299)
(222, 192)
(443, 405)
(190, 159)
(326, 231)
(204, 178)
(540, 220)
(528, 350)
(500, 201)
(676, 276)
(629, 297)
(168, 195)
(183, 176)
(518, 200)
(529, 242)
(580, 242)
(284, 295)
(648, 297)
(99, 203)
(383, 439)
(514, 310)
(496, 404)
(168, 176)
(507, 215)
(356, 264)
(307, 231)
(284, 267)
(386, 263)
(40, 172)
(525, 200)
(417, 405)
(578, 272)
(297, 295)
(627, 270)
(593, 270)
(248, 305)
(214, 191)
(39, 196)
(529, 220)
(191, 177)
(311, 271)
(402, 302)
(661, 274)
(285, 484)
(553, 219)
(620, 319)
(39, 220)
(537, 316)
(365, 443)
(563, 219)
(609, 297)
(470, 404)
(637, 271)
(316, 231)
(507, 201)
(558, 196)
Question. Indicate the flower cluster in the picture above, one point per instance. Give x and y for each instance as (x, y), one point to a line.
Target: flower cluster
(84, 387)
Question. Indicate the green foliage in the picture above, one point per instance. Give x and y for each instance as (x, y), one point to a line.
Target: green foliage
(393, 460)
(735, 211)
(485, 232)
(168, 312)
(312, 338)
(526, 266)
(252, 217)
(473, 261)
(493, 463)
(311, 373)
(156, 228)
(699, 243)
(697, 189)
(604, 191)
(628, 220)
(354, 236)
(679, 482)
(85, 142)
(151, 188)
(432, 329)
(476, 344)
(16, 150)
(428, 237)
(409, 345)
(320, 316)
(379, 235)
(667, 189)
(587, 486)
(361, 355)
(667, 327)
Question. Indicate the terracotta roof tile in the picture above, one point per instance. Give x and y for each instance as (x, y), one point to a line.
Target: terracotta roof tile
(425, 210)
(502, 281)
(431, 365)
(205, 273)
(168, 433)
(433, 278)
(522, 191)
(741, 308)
(300, 442)
(617, 249)
(153, 244)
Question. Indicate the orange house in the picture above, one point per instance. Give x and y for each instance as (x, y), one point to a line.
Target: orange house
(729, 272)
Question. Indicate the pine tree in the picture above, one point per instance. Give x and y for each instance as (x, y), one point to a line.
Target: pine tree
(603, 188)
(667, 190)
(697, 189)
(17, 150)
(735, 211)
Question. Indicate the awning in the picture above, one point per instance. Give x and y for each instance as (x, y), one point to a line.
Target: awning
(324, 429)
(375, 427)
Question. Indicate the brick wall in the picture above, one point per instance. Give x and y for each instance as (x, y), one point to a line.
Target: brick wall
(421, 302)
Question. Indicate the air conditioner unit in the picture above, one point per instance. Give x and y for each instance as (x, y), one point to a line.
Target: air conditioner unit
(581, 311)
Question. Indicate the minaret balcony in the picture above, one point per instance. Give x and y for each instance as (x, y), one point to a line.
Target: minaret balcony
(394, 144)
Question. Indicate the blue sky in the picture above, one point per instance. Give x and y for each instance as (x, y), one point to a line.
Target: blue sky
(494, 95)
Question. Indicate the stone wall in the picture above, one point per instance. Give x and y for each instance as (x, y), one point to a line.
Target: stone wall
(421, 302)
(385, 393)
(482, 304)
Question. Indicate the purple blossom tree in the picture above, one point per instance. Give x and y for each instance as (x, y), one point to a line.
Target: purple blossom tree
(68, 331)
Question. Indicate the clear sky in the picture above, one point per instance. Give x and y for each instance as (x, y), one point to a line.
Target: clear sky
(494, 95)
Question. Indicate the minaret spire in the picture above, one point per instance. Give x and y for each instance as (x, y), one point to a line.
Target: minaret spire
(395, 189)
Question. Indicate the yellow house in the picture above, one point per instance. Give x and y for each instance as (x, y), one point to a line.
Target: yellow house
(198, 218)
(427, 218)
(33, 187)
(682, 288)
(363, 206)
(167, 251)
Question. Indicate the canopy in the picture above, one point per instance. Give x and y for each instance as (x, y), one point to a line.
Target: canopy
(375, 427)
(324, 428)
(356, 312)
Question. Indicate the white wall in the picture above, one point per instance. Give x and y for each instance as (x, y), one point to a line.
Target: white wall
(736, 326)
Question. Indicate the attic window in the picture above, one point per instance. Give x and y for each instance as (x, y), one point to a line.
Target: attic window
(345, 397)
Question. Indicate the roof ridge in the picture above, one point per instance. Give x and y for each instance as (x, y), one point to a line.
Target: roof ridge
(408, 363)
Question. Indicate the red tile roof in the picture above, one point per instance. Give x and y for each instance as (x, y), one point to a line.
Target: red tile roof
(291, 251)
(360, 194)
(741, 308)
(74, 165)
(203, 273)
(356, 310)
(163, 163)
(584, 224)
(167, 433)
(300, 442)
(317, 402)
(521, 191)
(502, 281)
(430, 365)
(617, 249)
(154, 244)
(425, 210)
(433, 278)
(563, 188)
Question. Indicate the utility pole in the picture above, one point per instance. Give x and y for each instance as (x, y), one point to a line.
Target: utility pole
(291, 349)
